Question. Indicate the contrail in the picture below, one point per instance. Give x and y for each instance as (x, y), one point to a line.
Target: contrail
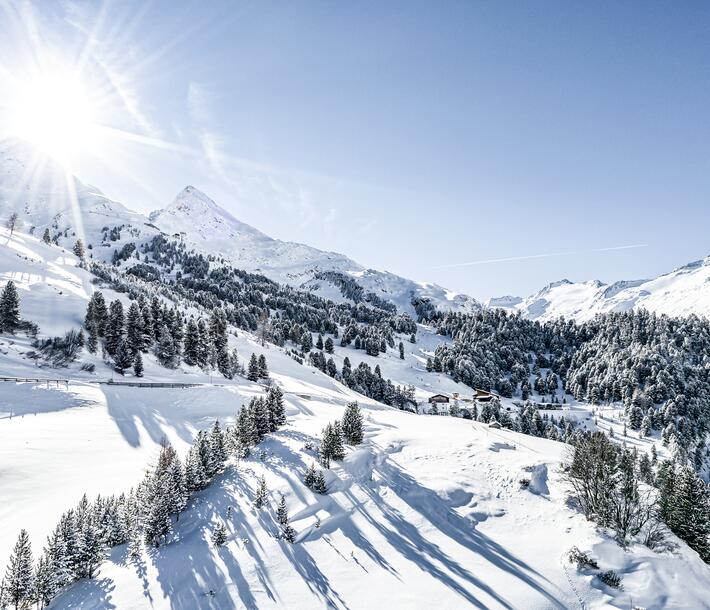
(532, 256)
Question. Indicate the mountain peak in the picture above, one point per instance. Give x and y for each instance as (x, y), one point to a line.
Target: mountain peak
(194, 213)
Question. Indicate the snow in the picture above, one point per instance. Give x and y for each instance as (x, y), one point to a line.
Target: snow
(682, 292)
(427, 512)
(199, 220)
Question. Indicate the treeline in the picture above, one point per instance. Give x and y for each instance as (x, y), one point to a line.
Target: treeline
(636, 497)
(146, 515)
(656, 365)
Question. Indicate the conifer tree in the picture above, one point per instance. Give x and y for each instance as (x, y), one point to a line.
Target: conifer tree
(261, 495)
(263, 369)
(328, 346)
(138, 365)
(19, 574)
(253, 374)
(277, 411)
(46, 237)
(114, 327)
(134, 329)
(9, 308)
(319, 342)
(352, 424)
(165, 348)
(319, 485)
(401, 350)
(192, 343)
(309, 479)
(282, 511)
(219, 535)
(122, 357)
(78, 249)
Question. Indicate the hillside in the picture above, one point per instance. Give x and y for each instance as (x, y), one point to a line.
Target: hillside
(200, 221)
(682, 292)
(430, 510)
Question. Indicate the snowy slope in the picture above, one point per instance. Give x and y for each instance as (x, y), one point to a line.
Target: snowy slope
(198, 219)
(44, 196)
(681, 292)
(428, 513)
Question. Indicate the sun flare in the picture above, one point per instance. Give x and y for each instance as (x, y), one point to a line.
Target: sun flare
(55, 113)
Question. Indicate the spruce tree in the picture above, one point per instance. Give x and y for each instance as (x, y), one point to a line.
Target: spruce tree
(253, 374)
(219, 535)
(79, 249)
(328, 346)
(46, 237)
(261, 496)
(114, 328)
(192, 343)
(263, 369)
(319, 485)
(277, 411)
(138, 365)
(122, 358)
(309, 479)
(9, 308)
(134, 329)
(282, 511)
(352, 424)
(401, 350)
(19, 573)
(165, 348)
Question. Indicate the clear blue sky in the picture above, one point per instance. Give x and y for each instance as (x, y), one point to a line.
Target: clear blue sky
(412, 136)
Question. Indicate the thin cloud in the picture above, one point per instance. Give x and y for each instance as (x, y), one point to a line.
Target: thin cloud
(535, 256)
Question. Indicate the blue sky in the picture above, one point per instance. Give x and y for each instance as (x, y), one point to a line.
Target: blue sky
(414, 137)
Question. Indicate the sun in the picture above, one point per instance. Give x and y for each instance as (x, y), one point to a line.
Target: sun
(56, 114)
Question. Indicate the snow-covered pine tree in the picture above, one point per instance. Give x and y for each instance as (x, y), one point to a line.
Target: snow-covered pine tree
(47, 237)
(122, 358)
(9, 308)
(164, 348)
(261, 496)
(328, 346)
(282, 511)
(219, 535)
(218, 452)
(134, 329)
(19, 573)
(78, 249)
(253, 371)
(263, 368)
(319, 485)
(277, 411)
(352, 424)
(138, 365)
(192, 343)
(309, 479)
(114, 327)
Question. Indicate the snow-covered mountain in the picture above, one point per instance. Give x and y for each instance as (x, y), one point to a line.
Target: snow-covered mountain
(198, 219)
(46, 197)
(681, 292)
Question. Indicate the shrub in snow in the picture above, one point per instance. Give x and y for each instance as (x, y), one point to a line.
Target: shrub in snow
(582, 559)
(610, 579)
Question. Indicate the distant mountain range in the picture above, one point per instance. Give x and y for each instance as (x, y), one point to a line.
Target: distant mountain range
(681, 292)
(39, 190)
